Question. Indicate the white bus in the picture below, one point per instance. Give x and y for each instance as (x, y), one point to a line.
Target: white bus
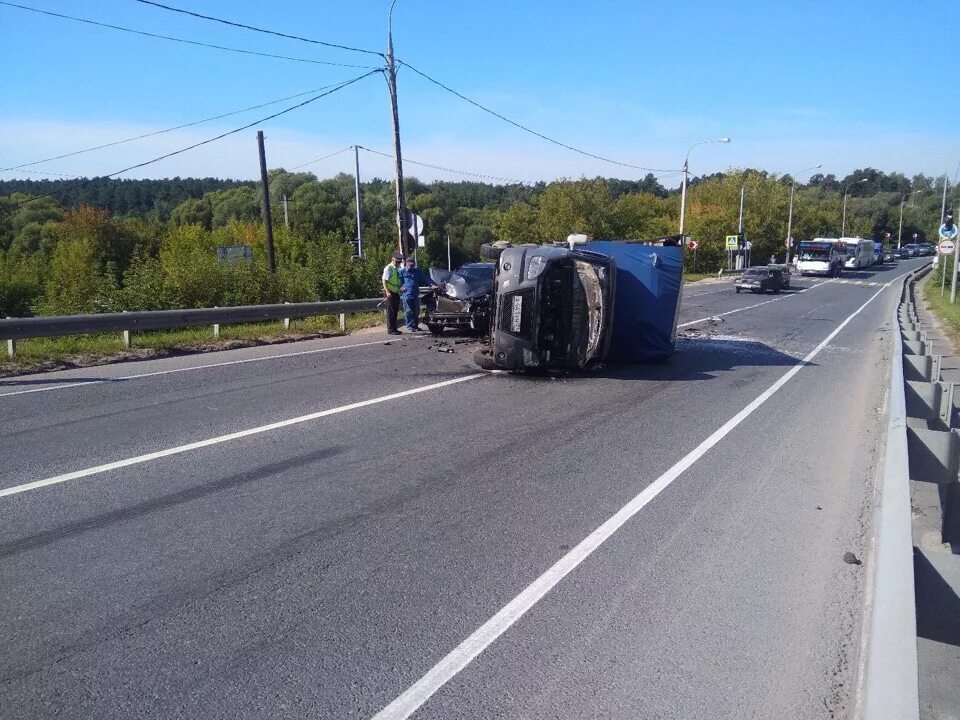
(820, 256)
(859, 252)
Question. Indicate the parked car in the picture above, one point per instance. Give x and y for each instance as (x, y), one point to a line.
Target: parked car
(901, 253)
(890, 256)
(760, 279)
(927, 250)
(912, 250)
(785, 273)
(463, 301)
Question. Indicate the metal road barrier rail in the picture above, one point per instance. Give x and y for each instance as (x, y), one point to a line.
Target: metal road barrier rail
(889, 688)
(30, 327)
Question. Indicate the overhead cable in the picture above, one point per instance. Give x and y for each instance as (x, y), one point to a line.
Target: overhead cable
(258, 29)
(167, 130)
(203, 142)
(527, 129)
(446, 169)
(180, 40)
(316, 160)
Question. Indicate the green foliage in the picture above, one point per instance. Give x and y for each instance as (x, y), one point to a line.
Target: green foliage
(153, 244)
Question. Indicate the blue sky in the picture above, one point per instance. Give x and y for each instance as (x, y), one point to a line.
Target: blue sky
(844, 83)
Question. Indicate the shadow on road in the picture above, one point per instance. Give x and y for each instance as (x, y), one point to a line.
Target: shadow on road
(698, 357)
(165, 502)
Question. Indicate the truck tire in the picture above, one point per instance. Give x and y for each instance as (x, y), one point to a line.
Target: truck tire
(435, 329)
(491, 251)
(483, 357)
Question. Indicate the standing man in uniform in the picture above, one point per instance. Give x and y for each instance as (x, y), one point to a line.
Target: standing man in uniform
(391, 291)
(411, 277)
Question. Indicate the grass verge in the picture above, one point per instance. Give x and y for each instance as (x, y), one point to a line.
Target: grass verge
(695, 277)
(54, 353)
(940, 306)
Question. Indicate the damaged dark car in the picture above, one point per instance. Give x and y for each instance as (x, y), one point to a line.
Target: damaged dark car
(463, 301)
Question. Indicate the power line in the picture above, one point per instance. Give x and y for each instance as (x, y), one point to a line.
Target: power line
(524, 127)
(179, 40)
(203, 142)
(167, 130)
(316, 160)
(446, 169)
(257, 29)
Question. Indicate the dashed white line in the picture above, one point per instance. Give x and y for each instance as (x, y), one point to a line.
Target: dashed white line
(207, 366)
(137, 460)
(457, 659)
(749, 307)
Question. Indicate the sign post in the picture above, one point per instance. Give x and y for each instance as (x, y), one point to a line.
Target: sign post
(948, 235)
(732, 243)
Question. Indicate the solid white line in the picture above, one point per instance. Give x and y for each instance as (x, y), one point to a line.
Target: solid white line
(461, 656)
(750, 307)
(200, 367)
(75, 475)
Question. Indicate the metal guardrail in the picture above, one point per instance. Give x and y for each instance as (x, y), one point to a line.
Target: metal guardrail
(12, 329)
(889, 685)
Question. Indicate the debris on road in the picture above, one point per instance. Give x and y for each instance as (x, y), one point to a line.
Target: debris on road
(850, 559)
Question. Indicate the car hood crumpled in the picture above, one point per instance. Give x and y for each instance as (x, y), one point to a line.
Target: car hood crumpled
(461, 287)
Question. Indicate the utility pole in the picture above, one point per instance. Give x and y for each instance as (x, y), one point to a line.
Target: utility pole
(267, 220)
(743, 190)
(448, 251)
(391, 73)
(286, 213)
(356, 192)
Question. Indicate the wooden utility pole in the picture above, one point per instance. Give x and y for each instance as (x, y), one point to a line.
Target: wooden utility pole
(391, 75)
(356, 192)
(267, 219)
(286, 213)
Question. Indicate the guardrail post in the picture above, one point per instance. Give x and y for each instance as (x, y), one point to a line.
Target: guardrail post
(343, 322)
(216, 327)
(126, 338)
(11, 345)
(286, 321)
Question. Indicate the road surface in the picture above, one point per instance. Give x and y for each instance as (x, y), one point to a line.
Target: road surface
(313, 530)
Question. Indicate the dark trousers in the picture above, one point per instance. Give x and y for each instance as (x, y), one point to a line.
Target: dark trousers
(392, 307)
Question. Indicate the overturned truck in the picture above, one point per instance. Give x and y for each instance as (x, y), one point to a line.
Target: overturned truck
(565, 307)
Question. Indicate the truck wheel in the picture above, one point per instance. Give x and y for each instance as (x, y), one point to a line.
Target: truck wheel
(435, 329)
(491, 251)
(484, 358)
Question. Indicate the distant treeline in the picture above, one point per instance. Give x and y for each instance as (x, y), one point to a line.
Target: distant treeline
(109, 245)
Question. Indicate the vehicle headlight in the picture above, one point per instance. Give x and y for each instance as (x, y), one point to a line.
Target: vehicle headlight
(535, 266)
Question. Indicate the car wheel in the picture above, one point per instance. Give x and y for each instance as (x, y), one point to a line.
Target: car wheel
(776, 291)
(435, 329)
(738, 291)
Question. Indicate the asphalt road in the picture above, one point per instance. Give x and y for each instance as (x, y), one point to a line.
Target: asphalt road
(385, 504)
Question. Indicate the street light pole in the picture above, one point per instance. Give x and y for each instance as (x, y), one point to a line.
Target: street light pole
(683, 190)
(900, 227)
(843, 230)
(793, 187)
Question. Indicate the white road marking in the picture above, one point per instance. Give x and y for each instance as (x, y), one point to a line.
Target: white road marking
(87, 472)
(461, 656)
(198, 367)
(749, 307)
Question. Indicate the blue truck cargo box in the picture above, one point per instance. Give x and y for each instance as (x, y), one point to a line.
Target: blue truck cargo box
(648, 288)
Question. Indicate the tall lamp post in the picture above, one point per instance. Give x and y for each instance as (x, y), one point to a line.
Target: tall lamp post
(683, 191)
(900, 226)
(793, 186)
(843, 231)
